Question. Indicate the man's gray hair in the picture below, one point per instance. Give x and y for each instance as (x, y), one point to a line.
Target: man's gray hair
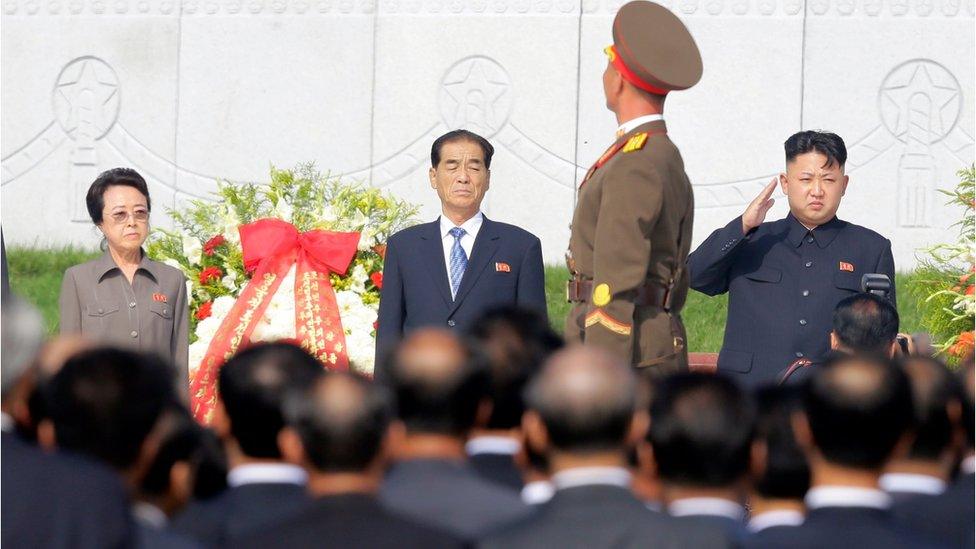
(22, 330)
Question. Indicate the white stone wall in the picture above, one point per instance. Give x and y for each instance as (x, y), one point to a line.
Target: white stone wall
(187, 93)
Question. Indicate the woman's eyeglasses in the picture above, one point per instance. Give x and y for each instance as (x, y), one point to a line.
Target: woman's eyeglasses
(120, 217)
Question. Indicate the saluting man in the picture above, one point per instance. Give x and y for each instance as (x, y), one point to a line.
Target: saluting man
(631, 231)
(785, 277)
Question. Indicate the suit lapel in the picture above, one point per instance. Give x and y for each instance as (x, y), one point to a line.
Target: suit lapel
(485, 246)
(432, 252)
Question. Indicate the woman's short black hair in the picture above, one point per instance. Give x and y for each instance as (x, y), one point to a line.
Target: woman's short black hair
(116, 176)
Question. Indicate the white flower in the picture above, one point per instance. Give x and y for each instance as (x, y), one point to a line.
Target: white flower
(229, 282)
(366, 239)
(198, 351)
(359, 276)
(193, 249)
(283, 210)
(189, 287)
(173, 263)
(207, 328)
(221, 306)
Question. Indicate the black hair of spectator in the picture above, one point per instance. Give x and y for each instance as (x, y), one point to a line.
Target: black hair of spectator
(342, 421)
(104, 403)
(934, 389)
(126, 177)
(701, 430)
(209, 467)
(787, 473)
(517, 342)
(866, 323)
(445, 402)
(253, 386)
(180, 441)
(858, 407)
(828, 144)
(460, 135)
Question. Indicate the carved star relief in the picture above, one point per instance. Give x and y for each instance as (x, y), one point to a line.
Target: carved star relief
(87, 81)
(899, 90)
(476, 79)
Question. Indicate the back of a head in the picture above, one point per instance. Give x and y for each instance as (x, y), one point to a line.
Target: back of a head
(858, 407)
(253, 387)
(342, 421)
(180, 438)
(586, 398)
(517, 341)
(701, 430)
(438, 382)
(866, 323)
(22, 337)
(934, 389)
(786, 474)
(104, 402)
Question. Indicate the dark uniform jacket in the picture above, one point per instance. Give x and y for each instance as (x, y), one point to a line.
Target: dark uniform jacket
(843, 528)
(783, 283)
(632, 225)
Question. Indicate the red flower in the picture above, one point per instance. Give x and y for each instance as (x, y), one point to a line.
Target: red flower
(964, 344)
(204, 310)
(211, 245)
(377, 279)
(969, 290)
(210, 273)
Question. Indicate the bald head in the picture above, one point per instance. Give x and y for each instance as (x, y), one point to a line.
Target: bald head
(439, 382)
(858, 408)
(341, 420)
(586, 399)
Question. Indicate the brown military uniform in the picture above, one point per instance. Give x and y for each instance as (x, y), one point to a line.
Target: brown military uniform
(631, 234)
(151, 314)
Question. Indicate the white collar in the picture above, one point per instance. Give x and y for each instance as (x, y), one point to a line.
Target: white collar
(706, 506)
(471, 226)
(968, 465)
(586, 476)
(846, 496)
(492, 445)
(150, 515)
(6, 422)
(629, 125)
(779, 517)
(266, 473)
(912, 483)
(537, 492)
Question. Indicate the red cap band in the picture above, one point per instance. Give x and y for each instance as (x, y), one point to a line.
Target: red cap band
(629, 75)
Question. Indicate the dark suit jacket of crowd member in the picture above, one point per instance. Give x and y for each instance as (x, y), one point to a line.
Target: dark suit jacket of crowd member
(449, 495)
(498, 468)
(505, 268)
(843, 528)
(239, 511)
(709, 532)
(60, 501)
(947, 517)
(348, 521)
(783, 283)
(593, 517)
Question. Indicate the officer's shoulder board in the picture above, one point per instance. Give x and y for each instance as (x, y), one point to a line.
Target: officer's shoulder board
(635, 143)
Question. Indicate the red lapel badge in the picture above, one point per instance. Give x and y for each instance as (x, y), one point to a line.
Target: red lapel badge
(502, 268)
(844, 266)
(160, 298)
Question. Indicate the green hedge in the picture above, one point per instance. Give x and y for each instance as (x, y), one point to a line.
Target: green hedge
(36, 274)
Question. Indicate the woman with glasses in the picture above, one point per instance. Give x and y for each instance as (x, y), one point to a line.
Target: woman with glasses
(123, 297)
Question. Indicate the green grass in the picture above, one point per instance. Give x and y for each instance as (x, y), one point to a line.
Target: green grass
(36, 274)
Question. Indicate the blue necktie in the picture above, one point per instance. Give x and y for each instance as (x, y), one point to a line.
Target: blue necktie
(459, 260)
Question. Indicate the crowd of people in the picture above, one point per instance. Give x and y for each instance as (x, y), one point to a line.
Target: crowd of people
(501, 437)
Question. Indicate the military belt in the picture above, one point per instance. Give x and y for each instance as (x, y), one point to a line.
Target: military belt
(651, 294)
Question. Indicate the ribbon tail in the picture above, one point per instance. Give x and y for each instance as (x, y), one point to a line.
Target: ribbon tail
(317, 321)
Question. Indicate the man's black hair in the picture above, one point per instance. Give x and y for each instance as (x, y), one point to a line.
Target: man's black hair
(866, 323)
(460, 135)
(825, 143)
(787, 473)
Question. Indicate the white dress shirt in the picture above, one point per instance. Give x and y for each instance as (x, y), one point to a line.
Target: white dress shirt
(846, 496)
(782, 517)
(266, 473)
(6, 422)
(912, 483)
(707, 506)
(968, 465)
(629, 125)
(537, 492)
(492, 445)
(471, 228)
(587, 476)
(150, 515)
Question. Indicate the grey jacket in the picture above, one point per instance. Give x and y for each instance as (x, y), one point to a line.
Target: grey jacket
(150, 315)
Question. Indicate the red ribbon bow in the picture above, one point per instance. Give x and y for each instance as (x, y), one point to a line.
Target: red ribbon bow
(271, 247)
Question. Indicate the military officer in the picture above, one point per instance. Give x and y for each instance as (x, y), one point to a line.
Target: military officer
(631, 230)
(785, 277)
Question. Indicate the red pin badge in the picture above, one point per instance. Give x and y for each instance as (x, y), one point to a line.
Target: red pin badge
(502, 268)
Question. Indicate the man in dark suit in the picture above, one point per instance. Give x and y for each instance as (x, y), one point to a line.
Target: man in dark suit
(339, 429)
(856, 410)
(584, 414)
(263, 488)
(918, 481)
(701, 434)
(516, 341)
(780, 472)
(785, 277)
(441, 388)
(447, 272)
